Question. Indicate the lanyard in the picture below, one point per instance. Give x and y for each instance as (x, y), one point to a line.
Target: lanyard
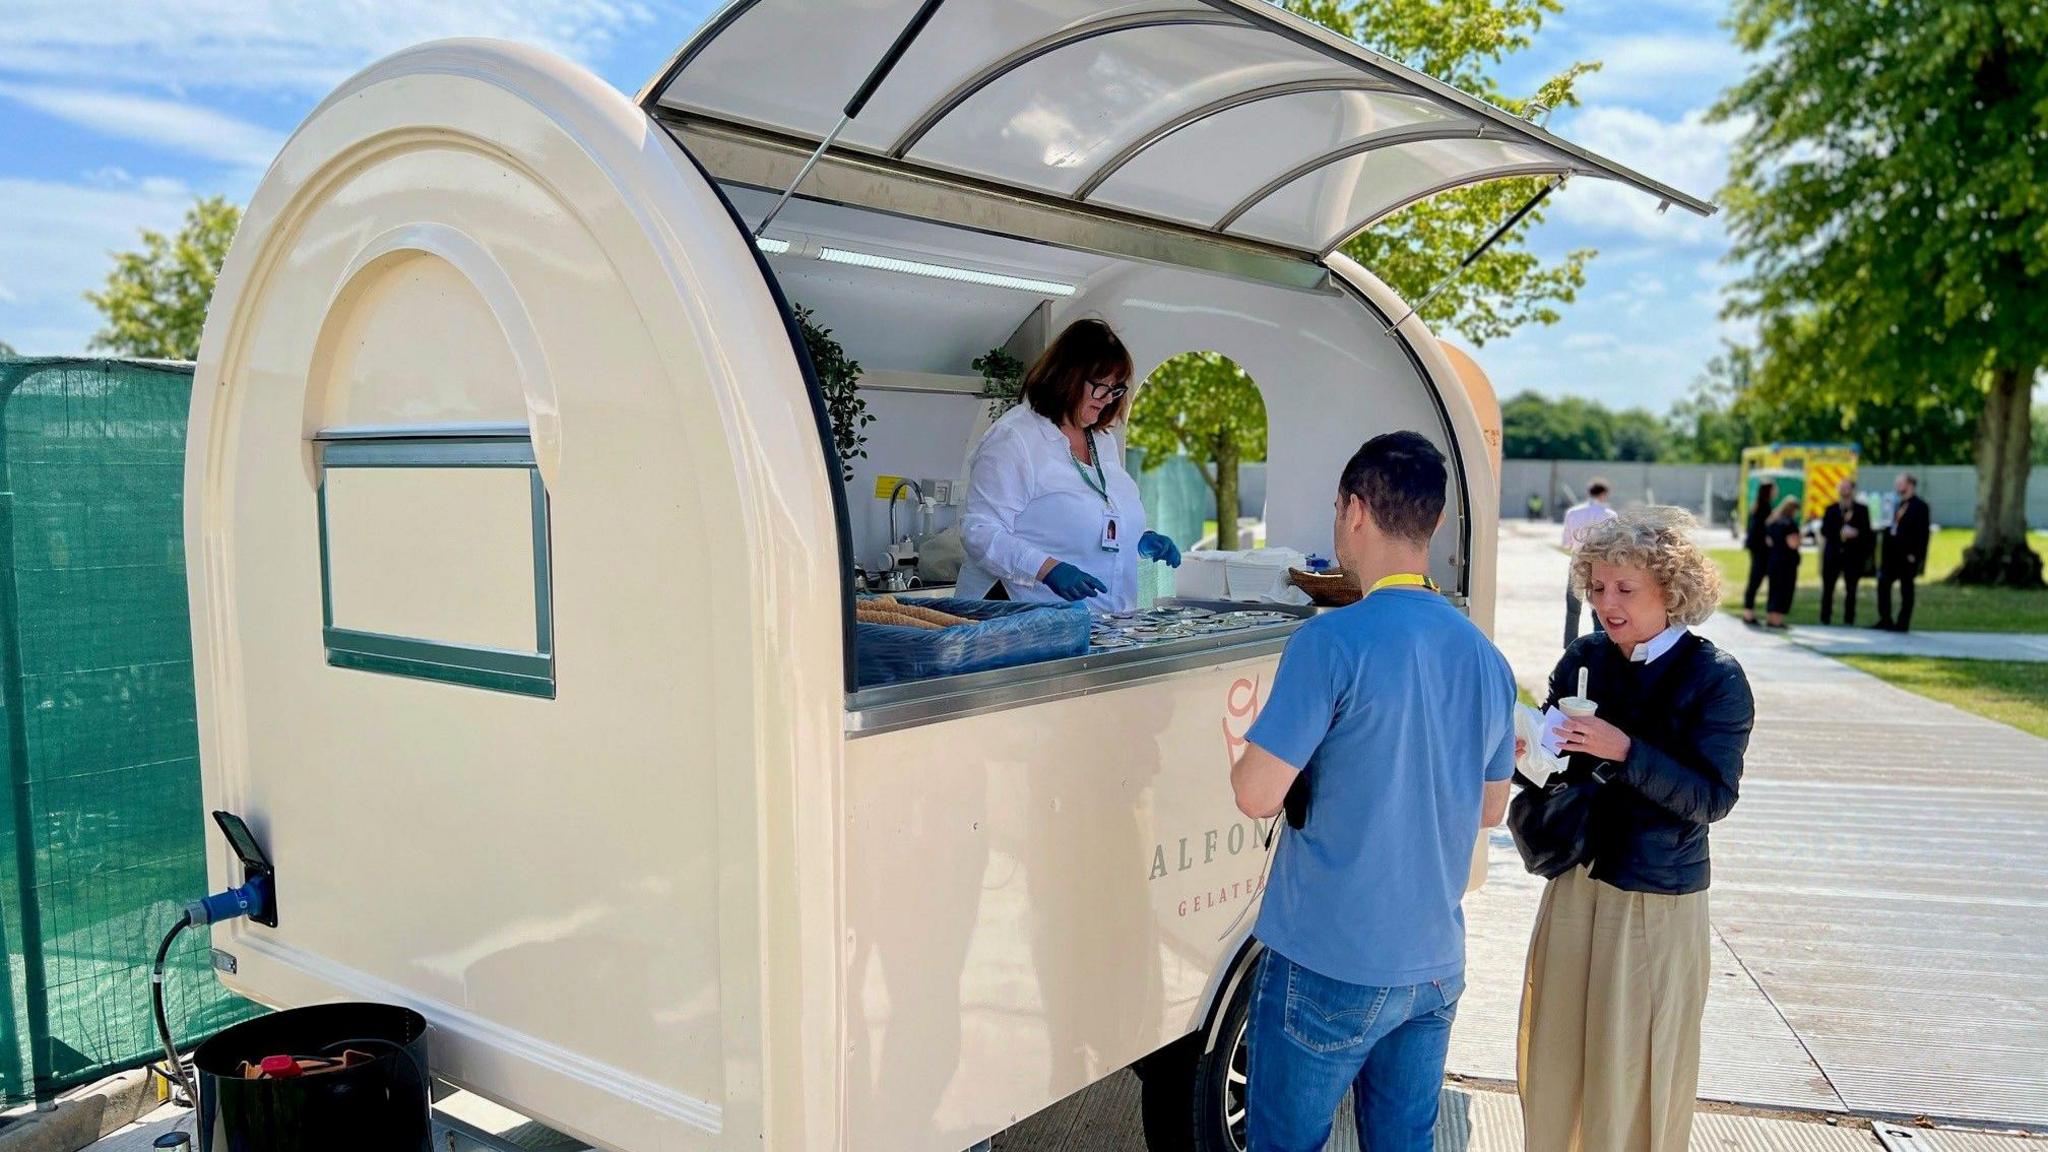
(1403, 580)
(1098, 482)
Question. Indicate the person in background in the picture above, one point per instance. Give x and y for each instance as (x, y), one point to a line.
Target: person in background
(1905, 554)
(1608, 1052)
(1397, 714)
(1759, 548)
(1577, 519)
(1051, 513)
(1781, 537)
(1535, 506)
(1846, 542)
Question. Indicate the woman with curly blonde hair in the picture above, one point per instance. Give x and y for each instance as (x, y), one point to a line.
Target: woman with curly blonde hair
(1609, 1046)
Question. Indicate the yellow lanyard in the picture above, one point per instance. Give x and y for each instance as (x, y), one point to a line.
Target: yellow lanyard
(1403, 580)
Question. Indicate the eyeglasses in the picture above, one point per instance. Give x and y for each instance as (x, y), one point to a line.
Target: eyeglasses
(1107, 391)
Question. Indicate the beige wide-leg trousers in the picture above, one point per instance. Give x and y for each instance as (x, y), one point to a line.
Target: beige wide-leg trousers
(1608, 1056)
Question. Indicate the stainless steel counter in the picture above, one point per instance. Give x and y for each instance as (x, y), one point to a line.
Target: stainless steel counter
(888, 707)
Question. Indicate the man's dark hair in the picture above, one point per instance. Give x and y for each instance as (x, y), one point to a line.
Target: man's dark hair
(1400, 476)
(1597, 489)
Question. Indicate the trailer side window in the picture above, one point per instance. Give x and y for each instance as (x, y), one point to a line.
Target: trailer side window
(434, 559)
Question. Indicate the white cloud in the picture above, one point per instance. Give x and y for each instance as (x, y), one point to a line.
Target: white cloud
(1715, 272)
(1638, 336)
(171, 125)
(1597, 10)
(279, 45)
(1654, 66)
(1688, 154)
(63, 232)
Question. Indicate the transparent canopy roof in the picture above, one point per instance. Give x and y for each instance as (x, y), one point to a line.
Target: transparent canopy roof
(1228, 116)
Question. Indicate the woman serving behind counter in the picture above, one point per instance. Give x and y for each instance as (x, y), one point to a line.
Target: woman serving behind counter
(1051, 513)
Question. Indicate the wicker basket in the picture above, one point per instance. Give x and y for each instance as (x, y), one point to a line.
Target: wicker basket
(1331, 589)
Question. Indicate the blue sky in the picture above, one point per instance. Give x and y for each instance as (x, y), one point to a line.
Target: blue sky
(114, 115)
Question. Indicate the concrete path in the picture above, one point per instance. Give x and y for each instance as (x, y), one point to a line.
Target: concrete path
(1944, 645)
(1880, 892)
(1105, 1119)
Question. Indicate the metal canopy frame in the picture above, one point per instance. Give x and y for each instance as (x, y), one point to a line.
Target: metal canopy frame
(1389, 138)
(1065, 38)
(1515, 173)
(1320, 39)
(762, 160)
(1365, 71)
(1195, 116)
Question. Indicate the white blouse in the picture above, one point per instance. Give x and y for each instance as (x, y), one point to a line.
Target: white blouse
(1028, 502)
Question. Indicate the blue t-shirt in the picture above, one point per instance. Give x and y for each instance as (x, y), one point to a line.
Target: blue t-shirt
(1397, 709)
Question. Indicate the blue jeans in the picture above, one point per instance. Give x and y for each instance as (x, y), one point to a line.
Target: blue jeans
(1312, 1037)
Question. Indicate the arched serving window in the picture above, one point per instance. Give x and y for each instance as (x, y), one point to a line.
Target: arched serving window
(1198, 440)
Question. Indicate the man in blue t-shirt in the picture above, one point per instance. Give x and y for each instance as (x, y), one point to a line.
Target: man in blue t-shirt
(1393, 722)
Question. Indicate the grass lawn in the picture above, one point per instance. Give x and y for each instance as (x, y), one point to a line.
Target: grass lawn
(2010, 692)
(1937, 607)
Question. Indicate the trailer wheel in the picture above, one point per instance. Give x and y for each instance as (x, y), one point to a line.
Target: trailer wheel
(1195, 1099)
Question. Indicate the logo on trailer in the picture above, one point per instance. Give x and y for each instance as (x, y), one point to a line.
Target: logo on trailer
(1240, 709)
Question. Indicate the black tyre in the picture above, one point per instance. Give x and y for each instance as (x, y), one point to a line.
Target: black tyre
(1195, 1099)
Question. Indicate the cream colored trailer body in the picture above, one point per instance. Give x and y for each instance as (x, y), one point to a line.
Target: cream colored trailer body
(521, 624)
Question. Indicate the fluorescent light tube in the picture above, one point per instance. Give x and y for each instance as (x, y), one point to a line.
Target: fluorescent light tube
(771, 247)
(944, 272)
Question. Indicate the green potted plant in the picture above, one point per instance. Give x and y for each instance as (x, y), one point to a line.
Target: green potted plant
(839, 380)
(1003, 378)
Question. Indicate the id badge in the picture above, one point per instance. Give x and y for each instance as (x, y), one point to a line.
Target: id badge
(1110, 528)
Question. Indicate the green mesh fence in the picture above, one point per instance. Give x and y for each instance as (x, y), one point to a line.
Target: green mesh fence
(1177, 502)
(100, 822)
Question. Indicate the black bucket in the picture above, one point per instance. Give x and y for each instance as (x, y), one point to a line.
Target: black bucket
(381, 1103)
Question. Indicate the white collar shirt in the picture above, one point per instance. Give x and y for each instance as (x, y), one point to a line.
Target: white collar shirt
(1028, 502)
(1658, 645)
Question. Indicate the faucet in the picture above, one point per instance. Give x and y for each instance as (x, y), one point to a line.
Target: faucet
(895, 492)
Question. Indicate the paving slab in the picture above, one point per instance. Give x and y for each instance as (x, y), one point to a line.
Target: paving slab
(1838, 641)
(1748, 1053)
(141, 1135)
(1485, 1120)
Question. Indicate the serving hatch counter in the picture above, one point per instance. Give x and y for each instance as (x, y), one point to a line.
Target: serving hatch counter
(1132, 646)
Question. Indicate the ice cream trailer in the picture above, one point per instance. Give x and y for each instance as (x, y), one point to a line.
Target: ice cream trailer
(522, 594)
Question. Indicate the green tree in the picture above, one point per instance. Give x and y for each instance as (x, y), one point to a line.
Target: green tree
(1789, 396)
(6, 349)
(1460, 42)
(1888, 202)
(1638, 436)
(2041, 435)
(1709, 426)
(1534, 427)
(1203, 405)
(155, 299)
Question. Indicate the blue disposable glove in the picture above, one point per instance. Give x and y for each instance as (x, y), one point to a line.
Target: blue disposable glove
(1070, 583)
(1153, 546)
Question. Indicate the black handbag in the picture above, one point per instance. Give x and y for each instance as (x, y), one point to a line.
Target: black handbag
(1549, 823)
